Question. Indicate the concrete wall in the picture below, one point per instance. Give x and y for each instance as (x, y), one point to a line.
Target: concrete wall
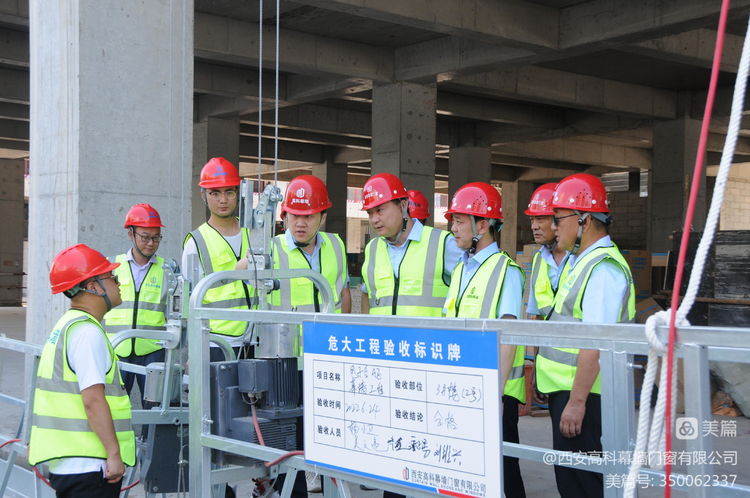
(11, 227)
(630, 211)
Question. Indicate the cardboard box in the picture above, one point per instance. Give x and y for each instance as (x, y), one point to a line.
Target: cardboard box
(645, 308)
(640, 267)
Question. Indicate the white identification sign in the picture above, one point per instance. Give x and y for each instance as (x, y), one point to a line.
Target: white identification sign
(415, 407)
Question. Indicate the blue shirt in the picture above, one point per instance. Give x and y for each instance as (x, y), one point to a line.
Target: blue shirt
(553, 273)
(312, 258)
(451, 256)
(511, 294)
(605, 289)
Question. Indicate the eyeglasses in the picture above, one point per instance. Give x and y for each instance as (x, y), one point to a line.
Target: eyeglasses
(113, 277)
(216, 194)
(556, 219)
(148, 238)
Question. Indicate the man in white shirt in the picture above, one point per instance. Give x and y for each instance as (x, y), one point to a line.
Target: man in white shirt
(81, 422)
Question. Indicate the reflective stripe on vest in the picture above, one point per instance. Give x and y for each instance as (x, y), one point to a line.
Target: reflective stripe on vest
(58, 404)
(216, 254)
(298, 294)
(144, 310)
(487, 284)
(556, 367)
(419, 289)
(541, 285)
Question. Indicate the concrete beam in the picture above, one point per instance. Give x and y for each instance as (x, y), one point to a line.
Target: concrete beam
(576, 123)
(14, 48)
(529, 162)
(230, 40)
(287, 151)
(14, 130)
(18, 112)
(451, 104)
(309, 137)
(545, 174)
(322, 119)
(14, 13)
(592, 25)
(512, 22)
(15, 146)
(446, 57)
(694, 48)
(554, 87)
(301, 88)
(228, 81)
(14, 86)
(576, 151)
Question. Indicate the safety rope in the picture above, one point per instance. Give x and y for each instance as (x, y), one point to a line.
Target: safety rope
(655, 434)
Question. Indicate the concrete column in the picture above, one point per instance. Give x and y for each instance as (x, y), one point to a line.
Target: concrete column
(468, 164)
(11, 242)
(675, 144)
(403, 134)
(334, 176)
(111, 125)
(212, 137)
(509, 233)
(523, 225)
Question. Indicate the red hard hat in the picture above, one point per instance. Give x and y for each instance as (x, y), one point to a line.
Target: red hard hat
(418, 205)
(219, 173)
(476, 199)
(305, 194)
(382, 188)
(75, 264)
(581, 192)
(541, 201)
(143, 215)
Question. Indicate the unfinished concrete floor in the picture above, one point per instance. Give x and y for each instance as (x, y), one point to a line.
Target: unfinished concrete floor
(538, 478)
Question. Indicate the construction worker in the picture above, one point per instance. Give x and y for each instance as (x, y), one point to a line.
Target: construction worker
(407, 268)
(304, 246)
(596, 287)
(81, 423)
(487, 283)
(549, 260)
(419, 208)
(143, 289)
(221, 244)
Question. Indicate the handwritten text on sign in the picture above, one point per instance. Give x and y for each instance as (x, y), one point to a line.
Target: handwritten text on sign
(414, 416)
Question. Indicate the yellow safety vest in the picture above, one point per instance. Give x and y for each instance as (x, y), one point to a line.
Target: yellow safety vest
(420, 289)
(59, 426)
(556, 367)
(216, 254)
(541, 285)
(479, 300)
(299, 294)
(142, 308)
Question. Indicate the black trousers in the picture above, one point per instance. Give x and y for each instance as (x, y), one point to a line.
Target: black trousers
(512, 480)
(571, 482)
(88, 485)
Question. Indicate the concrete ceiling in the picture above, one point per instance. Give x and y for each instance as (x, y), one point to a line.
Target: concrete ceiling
(553, 85)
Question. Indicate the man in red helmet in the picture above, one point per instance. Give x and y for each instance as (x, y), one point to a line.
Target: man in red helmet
(221, 244)
(596, 287)
(549, 260)
(419, 208)
(81, 420)
(143, 288)
(487, 283)
(407, 268)
(304, 246)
